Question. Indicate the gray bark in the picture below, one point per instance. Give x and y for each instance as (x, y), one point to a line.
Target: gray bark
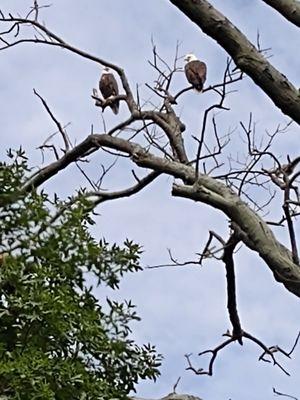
(256, 234)
(290, 9)
(279, 89)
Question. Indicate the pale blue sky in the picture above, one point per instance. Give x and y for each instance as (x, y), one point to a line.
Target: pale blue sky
(183, 310)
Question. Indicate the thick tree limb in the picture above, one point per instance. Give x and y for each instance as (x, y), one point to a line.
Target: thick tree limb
(255, 233)
(284, 95)
(290, 9)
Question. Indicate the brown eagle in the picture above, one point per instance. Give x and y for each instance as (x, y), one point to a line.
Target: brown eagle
(195, 71)
(109, 88)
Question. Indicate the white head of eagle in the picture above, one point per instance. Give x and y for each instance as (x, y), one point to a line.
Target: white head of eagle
(109, 88)
(195, 71)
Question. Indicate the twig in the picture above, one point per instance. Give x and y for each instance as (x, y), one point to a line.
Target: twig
(57, 123)
(284, 394)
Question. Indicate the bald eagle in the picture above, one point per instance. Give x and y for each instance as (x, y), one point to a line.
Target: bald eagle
(195, 71)
(109, 88)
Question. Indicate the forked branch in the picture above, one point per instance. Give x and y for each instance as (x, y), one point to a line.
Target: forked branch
(267, 351)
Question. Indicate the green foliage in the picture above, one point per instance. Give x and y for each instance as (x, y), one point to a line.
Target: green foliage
(56, 340)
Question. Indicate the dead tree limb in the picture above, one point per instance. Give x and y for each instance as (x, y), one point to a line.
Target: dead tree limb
(289, 9)
(280, 90)
(284, 394)
(256, 234)
(267, 351)
(227, 258)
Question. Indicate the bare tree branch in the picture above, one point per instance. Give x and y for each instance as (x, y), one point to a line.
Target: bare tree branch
(255, 232)
(54, 40)
(290, 9)
(152, 139)
(267, 351)
(55, 120)
(284, 95)
(227, 258)
(284, 394)
(98, 197)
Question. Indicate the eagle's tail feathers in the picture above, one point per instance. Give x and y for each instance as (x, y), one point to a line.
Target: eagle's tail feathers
(115, 107)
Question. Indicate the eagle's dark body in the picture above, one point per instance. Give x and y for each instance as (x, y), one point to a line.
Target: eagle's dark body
(109, 88)
(195, 72)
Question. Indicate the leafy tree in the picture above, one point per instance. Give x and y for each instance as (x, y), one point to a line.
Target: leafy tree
(155, 137)
(56, 340)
